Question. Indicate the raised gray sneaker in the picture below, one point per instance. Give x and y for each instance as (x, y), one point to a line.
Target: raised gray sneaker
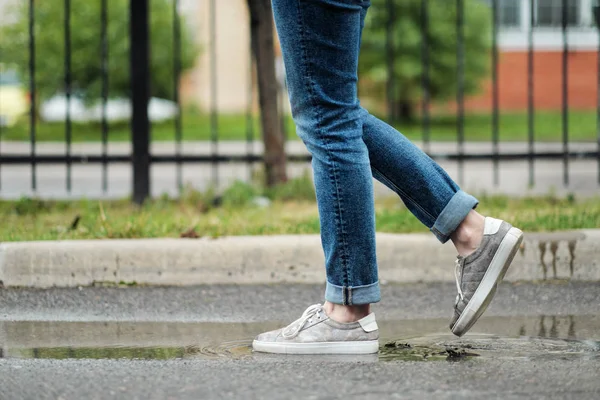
(315, 333)
(478, 274)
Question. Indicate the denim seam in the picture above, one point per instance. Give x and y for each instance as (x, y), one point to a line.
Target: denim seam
(439, 234)
(354, 287)
(339, 217)
(417, 205)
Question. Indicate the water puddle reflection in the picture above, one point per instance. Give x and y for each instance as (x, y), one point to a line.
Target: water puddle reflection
(405, 340)
(447, 347)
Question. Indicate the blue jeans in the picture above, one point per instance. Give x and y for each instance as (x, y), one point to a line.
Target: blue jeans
(320, 41)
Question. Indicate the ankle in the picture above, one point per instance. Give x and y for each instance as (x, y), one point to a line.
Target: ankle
(467, 237)
(346, 314)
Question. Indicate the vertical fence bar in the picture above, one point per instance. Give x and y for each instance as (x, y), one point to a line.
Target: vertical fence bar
(285, 104)
(495, 91)
(565, 95)
(425, 74)
(176, 77)
(1, 135)
(597, 20)
(140, 78)
(214, 122)
(104, 56)
(67, 30)
(32, 93)
(249, 109)
(390, 57)
(281, 97)
(460, 94)
(1, 131)
(281, 91)
(530, 92)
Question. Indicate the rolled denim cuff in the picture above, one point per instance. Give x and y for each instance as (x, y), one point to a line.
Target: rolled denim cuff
(453, 214)
(356, 295)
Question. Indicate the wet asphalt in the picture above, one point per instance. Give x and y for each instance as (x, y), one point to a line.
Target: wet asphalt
(535, 341)
(277, 302)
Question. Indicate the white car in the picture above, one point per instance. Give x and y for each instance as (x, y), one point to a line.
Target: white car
(55, 110)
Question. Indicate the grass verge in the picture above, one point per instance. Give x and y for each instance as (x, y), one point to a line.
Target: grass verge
(478, 127)
(292, 210)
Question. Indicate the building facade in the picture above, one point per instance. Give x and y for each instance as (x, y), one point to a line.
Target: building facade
(541, 21)
(519, 20)
(227, 28)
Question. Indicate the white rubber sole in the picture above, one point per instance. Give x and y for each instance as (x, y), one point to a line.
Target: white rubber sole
(362, 347)
(487, 288)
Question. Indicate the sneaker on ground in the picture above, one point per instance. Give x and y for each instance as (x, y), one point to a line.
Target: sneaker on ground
(315, 333)
(478, 274)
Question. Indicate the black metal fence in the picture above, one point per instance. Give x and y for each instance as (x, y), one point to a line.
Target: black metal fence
(141, 159)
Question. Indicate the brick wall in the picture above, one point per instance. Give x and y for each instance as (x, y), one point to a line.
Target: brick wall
(512, 71)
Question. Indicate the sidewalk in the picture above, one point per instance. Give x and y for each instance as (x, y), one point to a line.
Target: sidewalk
(478, 175)
(292, 146)
(274, 259)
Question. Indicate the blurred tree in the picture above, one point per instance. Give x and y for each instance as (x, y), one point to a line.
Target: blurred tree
(263, 49)
(404, 21)
(86, 45)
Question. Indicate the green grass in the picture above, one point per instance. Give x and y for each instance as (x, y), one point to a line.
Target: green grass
(478, 127)
(292, 211)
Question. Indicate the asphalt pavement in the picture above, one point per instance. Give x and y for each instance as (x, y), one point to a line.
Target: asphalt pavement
(535, 341)
(299, 379)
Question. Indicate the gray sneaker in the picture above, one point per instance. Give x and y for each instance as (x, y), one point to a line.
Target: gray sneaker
(478, 274)
(315, 333)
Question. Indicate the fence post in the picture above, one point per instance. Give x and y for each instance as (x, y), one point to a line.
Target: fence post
(565, 92)
(390, 58)
(596, 10)
(140, 90)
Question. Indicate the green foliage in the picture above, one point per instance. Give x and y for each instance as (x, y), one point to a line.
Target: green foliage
(33, 219)
(301, 188)
(30, 206)
(243, 194)
(202, 201)
(196, 126)
(239, 194)
(86, 46)
(442, 39)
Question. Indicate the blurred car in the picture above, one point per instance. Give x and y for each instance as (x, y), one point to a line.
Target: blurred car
(55, 109)
(14, 101)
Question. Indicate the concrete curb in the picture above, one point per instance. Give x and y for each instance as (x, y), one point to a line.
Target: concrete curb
(573, 255)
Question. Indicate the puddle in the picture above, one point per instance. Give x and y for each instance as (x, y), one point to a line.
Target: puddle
(236, 349)
(405, 340)
(449, 348)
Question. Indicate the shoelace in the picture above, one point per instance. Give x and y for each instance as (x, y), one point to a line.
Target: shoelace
(457, 275)
(294, 328)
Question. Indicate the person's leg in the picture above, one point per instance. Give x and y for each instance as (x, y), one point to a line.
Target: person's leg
(426, 189)
(486, 246)
(320, 41)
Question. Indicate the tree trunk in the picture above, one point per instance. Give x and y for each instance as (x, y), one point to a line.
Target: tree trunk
(261, 30)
